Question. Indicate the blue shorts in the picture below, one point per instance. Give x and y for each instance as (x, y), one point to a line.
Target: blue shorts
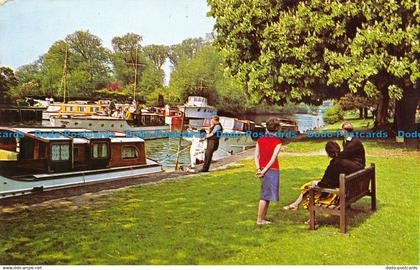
(270, 186)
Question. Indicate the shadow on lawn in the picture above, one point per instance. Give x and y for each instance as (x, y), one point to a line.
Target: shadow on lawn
(357, 214)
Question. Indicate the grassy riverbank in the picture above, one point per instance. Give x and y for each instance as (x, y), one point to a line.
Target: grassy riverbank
(210, 219)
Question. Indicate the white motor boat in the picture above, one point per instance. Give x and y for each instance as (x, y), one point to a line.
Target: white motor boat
(196, 109)
(152, 125)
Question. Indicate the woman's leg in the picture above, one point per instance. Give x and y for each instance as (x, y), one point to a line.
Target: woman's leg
(295, 204)
(298, 200)
(262, 211)
(267, 204)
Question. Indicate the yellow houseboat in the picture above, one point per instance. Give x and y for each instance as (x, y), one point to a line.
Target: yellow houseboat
(73, 108)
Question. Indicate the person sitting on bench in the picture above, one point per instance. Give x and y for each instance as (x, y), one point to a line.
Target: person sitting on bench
(353, 149)
(330, 179)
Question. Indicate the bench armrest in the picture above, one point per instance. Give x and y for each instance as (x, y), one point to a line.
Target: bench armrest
(330, 190)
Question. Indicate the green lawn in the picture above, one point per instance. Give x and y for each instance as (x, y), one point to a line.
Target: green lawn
(210, 219)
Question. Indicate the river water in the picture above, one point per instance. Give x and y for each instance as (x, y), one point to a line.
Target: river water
(164, 150)
(305, 121)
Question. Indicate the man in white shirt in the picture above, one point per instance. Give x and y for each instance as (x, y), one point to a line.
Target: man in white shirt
(198, 148)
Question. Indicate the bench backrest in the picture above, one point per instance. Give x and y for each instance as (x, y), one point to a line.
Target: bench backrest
(356, 185)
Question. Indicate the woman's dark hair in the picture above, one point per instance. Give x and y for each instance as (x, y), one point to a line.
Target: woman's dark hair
(202, 131)
(273, 125)
(347, 126)
(332, 148)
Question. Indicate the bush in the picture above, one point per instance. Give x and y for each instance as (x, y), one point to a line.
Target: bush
(333, 114)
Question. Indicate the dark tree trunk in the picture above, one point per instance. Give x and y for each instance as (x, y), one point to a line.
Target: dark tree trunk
(381, 120)
(360, 113)
(405, 110)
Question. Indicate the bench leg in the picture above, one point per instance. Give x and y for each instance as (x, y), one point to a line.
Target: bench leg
(343, 222)
(311, 210)
(312, 219)
(373, 201)
(373, 190)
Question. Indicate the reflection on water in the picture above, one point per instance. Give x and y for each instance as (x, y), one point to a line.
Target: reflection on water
(164, 151)
(305, 121)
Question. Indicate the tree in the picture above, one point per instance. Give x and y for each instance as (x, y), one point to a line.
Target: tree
(187, 49)
(157, 54)
(203, 75)
(30, 80)
(127, 53)
(150, 79)
(198, 76)
(53, 69)
(91, 58)
(356, 102)
(7, 81)
(312, 50)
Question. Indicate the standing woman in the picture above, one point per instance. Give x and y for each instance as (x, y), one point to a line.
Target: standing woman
(266, 152)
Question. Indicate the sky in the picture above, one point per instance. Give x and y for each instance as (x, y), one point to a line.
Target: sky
(29, 27)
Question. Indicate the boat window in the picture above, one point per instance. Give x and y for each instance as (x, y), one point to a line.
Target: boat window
(104, 150)
(95, 151)
(76, 153)
(65, 153)
(60, 152)
(69, 108)
(81, 109)
(129, 152)
(93, 109)
(8, 144)
(99, 150)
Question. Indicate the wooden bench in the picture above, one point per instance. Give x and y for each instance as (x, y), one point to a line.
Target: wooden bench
(352, 188)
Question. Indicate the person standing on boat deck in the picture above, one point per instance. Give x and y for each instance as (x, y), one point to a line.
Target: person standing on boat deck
(353, 149)
(266, 153)
(212, 142)
(123, 111)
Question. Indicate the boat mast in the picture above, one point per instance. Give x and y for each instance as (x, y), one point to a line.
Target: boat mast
(65, 74)
(135, 76)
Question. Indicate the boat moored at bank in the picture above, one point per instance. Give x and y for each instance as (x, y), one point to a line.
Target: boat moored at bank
(42, 159)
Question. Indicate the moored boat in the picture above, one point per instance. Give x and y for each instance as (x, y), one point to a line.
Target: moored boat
(196, 109)
(237, 135)
(41, 159)
(148, 126)
(73, 108)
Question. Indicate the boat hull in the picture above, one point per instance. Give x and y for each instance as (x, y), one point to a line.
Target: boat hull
(230, 143)
(199, 112)
(10, 187)
(144, 132)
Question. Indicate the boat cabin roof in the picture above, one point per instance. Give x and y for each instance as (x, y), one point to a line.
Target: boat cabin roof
(79, 136)
(123, 139)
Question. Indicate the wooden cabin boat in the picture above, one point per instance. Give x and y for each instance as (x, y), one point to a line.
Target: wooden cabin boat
(288, 125)
(33, 159)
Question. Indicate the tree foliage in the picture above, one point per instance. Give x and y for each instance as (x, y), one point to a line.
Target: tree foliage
(333, 114)
(203, 75)
(185, 50)
(311, 50)
(7, 81)
(157, 54)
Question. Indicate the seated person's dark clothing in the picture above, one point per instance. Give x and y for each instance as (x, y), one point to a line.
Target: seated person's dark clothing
(335, 168)
(354, 151)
